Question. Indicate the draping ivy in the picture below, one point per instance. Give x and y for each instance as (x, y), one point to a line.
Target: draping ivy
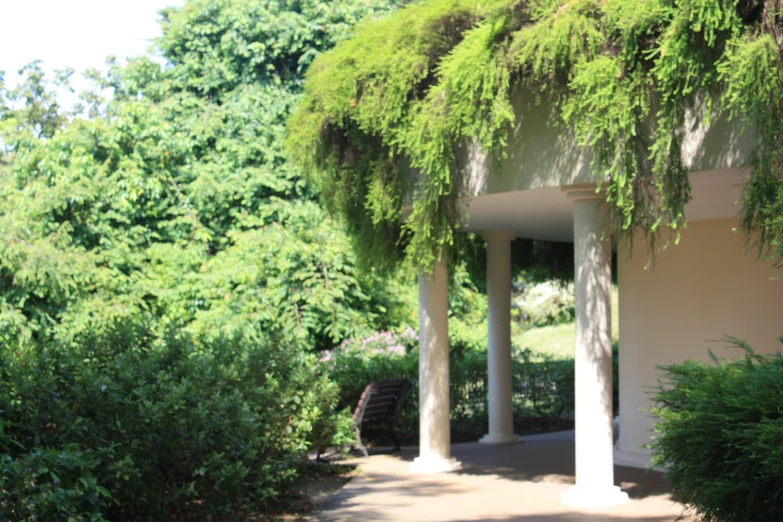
(406, 93)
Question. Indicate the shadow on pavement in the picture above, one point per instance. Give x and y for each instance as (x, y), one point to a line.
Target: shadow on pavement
(540, 458)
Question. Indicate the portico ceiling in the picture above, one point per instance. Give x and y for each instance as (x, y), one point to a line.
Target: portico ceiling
(547, 213)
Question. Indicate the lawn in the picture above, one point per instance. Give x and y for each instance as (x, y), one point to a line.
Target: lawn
(558, 340)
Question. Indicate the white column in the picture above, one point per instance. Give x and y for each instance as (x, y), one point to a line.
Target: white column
(593, 357)
(434, 430)
(501, 415)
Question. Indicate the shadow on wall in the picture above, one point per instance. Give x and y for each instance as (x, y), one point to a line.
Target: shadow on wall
(540, 153)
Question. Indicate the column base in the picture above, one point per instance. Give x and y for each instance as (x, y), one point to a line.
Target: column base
(633, 459)
(434, 464)
(580, 496)
(500, 439)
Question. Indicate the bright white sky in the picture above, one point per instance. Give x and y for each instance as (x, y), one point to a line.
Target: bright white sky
(74, 33)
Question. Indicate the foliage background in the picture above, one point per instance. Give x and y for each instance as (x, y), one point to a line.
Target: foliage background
(171, 198)
(166, 276)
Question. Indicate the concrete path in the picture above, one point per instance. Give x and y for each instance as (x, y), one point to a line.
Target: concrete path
(517, 482)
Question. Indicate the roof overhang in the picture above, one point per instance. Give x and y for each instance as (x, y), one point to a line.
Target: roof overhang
(547, 213)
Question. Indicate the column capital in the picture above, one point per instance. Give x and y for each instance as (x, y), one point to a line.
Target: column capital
(498, 235)
(584, 191)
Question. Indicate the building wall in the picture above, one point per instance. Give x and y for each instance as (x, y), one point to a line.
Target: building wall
(542, 151)
(700, 290)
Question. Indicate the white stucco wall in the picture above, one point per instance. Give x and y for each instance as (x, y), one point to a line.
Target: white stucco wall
(699, 290)
(542, 151)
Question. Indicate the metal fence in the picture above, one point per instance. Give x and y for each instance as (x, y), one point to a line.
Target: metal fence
(543, 391)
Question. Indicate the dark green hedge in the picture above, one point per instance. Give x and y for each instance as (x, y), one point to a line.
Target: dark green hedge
(720, 436)
(142, 428)
(543, 386)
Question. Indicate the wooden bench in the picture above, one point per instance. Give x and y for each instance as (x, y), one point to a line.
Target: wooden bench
(378, 403)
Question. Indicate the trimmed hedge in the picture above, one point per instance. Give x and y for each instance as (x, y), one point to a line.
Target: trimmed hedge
(721, 436)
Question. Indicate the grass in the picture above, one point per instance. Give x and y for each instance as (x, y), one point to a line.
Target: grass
(558, 340)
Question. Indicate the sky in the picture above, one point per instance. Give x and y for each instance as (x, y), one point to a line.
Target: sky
(74, 33)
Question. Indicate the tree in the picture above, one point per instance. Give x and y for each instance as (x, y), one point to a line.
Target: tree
(175, 203)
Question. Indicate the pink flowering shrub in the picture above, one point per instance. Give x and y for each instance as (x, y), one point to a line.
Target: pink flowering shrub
(378, 344)
(379, 356)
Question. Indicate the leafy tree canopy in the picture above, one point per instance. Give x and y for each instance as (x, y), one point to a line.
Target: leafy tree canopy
(171, 201)
(408, 91)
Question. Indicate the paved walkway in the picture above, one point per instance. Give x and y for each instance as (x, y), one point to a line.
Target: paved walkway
(517, 482)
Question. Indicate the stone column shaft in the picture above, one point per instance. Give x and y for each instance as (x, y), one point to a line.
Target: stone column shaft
(593, 357)
(435, 434)
(501, 415)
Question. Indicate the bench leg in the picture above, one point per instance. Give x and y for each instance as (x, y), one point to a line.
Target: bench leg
(393, 434)
(359, 442)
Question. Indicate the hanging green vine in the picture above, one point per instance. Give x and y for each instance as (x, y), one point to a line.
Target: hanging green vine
(386, 115)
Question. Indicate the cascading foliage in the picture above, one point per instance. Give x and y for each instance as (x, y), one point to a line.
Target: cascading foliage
(406, 94)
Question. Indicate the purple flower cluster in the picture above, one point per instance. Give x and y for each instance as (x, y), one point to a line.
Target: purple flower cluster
(382, 342)
(409, 334)
(378, 344)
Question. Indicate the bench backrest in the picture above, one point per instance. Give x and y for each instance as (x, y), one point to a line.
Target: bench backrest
(378, 400)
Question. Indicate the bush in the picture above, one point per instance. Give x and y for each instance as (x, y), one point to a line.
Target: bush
(720, 436)
(51, 484)
(145, 428)
(380, 356)
(545, 303)
(543, 385)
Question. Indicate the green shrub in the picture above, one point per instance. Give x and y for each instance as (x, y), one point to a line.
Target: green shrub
(543, 303)
(134, 427)
(720, 434)
(51, 484)
(543, 385)
(380, 356)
